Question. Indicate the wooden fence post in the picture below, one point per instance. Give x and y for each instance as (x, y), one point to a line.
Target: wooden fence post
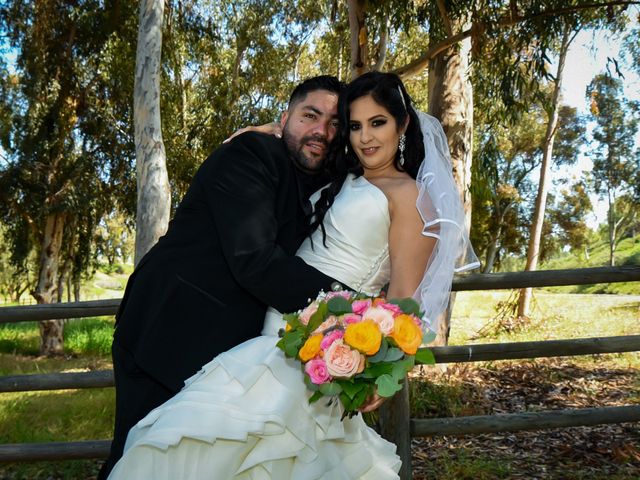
(395, 426)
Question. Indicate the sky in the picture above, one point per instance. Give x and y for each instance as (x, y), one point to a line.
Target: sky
(586, 58)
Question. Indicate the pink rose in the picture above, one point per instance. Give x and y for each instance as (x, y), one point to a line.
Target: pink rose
(342, 361)
(317, 371)
(330, 338)
(342, 293)
(305, 315)
(359, 306)
(350, 318)
(381, 316)
(331, 321)
(395, 309)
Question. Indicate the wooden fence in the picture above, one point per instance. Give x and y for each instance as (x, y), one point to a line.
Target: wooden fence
(396, 422)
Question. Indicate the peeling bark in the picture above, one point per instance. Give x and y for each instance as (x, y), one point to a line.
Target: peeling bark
(359, 38)
(51, 331)
(154, 200)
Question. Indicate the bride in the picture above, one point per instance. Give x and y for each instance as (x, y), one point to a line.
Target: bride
(246, 414)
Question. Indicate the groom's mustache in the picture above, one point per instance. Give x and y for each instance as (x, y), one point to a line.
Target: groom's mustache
(315, 138)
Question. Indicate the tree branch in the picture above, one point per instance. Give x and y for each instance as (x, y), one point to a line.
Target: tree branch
(417, 65)
(446, 21)
(382, 45)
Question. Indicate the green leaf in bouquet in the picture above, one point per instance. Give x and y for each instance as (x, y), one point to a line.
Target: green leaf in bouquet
(387, 386)
(401, 367)
(315, 397)
(317, 318)
(362, 396)
(310, 385)
(429, 336)
(382, 352)
(339, 306)
(329, 389)
(351, 388)
(292, 343)
(407, 305)
(377, 369)
(424, 356)
(292, 319)
(393, 354)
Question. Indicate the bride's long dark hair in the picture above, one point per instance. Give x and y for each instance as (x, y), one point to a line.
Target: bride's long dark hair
(388, 91)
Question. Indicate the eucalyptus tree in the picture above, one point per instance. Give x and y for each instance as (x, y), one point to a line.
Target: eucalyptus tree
(615, 161)
(64, 155)
(154, 200)
(502, 185)
(568, 216)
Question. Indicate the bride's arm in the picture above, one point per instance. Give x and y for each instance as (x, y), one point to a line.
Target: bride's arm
(409, 249)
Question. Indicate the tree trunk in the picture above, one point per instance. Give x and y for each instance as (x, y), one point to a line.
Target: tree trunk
(359, 40)
(76, 289)
(154, 199)
(611, 220)
(535, 233)
(492, 251)
(51, 331)
(451, 101)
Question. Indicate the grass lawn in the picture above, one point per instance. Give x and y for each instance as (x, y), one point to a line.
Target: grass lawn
(88, 414)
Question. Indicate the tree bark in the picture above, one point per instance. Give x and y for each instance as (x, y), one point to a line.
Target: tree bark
(51, 331)
(154, 199)
(359, 40)
(492, 251)
(535, 233)
(451, 101)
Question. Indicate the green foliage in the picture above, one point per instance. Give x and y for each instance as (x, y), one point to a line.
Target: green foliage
(616, 167)
(82, 336)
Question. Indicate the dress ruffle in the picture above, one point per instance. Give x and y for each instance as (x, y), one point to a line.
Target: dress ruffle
(246, 415)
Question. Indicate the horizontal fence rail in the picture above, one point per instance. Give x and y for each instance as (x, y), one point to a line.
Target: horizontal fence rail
(476, 281)
(455, 354)
(509, 422)
(56, 381)
(37, 452)
(546, 278)
(514, 422)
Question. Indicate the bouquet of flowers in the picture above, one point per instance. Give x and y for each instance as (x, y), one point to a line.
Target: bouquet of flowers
(352, 345)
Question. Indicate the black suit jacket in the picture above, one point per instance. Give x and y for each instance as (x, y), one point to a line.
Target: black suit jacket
(227, 255)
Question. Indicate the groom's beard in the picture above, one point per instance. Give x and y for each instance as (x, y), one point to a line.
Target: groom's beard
(306, 163)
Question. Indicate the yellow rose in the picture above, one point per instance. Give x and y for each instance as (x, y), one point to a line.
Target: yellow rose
(407, 334)
(364, 336)
(311, 348)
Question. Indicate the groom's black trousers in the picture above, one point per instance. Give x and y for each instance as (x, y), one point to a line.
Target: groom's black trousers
(136, 395)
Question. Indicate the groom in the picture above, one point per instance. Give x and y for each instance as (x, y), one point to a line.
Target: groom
(227, 255)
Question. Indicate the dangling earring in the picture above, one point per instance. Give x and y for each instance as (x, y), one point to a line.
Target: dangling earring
(401, 145)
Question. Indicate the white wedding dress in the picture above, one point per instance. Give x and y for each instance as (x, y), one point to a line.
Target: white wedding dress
(246, 414)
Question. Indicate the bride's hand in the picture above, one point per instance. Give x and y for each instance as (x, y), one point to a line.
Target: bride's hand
(272, 128)
(374, 402)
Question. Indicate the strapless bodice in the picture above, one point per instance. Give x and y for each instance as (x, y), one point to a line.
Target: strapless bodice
(357, 242)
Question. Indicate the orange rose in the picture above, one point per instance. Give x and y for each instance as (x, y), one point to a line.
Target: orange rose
(311, 348)
(407, 334)
(364, 336)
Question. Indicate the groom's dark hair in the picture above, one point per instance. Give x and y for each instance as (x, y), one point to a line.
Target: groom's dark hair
(321, 82)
